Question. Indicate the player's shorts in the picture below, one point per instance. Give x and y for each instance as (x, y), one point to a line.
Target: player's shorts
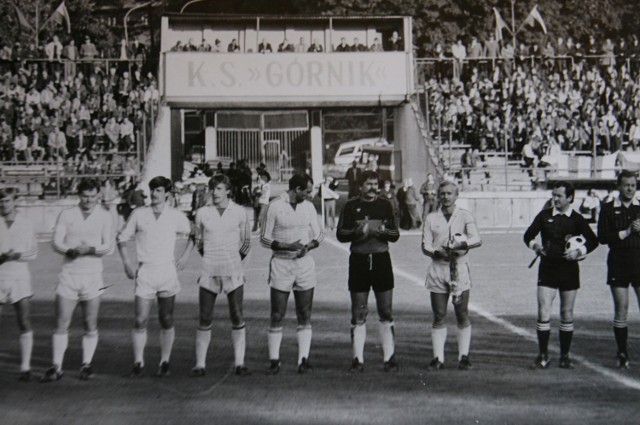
(439, 278)
(623, 269)
(298, 274)
(220, 284)
(155, 280)
(559, 274)
(13, 290)
(80, 287)
(370, 271)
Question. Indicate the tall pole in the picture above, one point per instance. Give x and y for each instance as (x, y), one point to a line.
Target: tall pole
(188, 3)
(37, 23)
(513, 24)
(126, 17)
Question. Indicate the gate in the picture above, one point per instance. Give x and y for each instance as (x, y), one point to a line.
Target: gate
(279, 139)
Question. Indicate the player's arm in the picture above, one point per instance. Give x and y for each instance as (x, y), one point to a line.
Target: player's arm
(591, 239)
(607, 231)
(473, 236)
(30, 250)
(346, 231)
(59, 233)
(389, 232)
(245, 236)
(530, 235)
(123, 237)
(427, 238)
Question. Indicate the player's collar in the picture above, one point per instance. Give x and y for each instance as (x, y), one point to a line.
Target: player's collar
(618, 203)
(558, 212)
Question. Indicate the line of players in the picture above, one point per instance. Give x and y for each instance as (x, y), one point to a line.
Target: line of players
(221, 234)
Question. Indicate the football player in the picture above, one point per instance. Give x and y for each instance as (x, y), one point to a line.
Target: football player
(447, 235)
(17, 246)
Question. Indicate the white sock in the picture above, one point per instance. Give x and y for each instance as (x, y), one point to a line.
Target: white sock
(59, 342)
(238, 336)
(166, 343)
(139, 340)
(89, 344)
(304, 342)
(274, 339)
(464, 341)
(203, 339)
(387, 339)
(438, 338)
(26, 347)
(358, 338)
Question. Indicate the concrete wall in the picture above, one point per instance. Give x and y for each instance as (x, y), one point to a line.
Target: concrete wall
(504, 210)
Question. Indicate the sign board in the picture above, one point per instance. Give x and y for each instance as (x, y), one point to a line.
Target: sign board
(286, 79)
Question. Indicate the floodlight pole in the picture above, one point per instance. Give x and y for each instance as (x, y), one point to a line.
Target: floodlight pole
(513, 25)
(189, 3)
(126, 17)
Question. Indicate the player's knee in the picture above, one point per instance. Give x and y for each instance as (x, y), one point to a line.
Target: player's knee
(385, 315)
(359, 314)
(24, 324)
(141, 322)
(276, 319)
(166, 320)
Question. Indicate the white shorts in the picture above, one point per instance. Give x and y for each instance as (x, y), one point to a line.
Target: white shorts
(157, 281)
(439, 278)
(13, 290)
(81, 287)
(220, 284)
(298, 274)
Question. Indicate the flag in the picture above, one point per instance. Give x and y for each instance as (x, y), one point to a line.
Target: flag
(534, 16)
(500, 25)
(61, 14)
(22, 20)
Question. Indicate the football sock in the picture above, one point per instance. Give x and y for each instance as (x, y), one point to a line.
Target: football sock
(544, 331)
(238, 337)
(59, 342)
(139, 341)
(274, 338)
(464, 341)
(166, 343)
(620, 331)
(89, 344)
(203, 339)
(566, 333)
(358, 337)
(387, 338)
(438, 338)
(26, 347)
(304, 342)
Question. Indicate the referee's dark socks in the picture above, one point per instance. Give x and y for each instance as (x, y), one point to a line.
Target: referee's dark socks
(566, 334)
(620, 331)
(544, 330)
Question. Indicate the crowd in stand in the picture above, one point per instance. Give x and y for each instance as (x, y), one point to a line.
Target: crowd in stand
(538, 101)
(64, 105)
(393, 43)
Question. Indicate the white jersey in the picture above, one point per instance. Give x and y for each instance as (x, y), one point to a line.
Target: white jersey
(225, 238)
(437, 232)
(73, 229)
(286, 224)
(155, 237)
(19, 237)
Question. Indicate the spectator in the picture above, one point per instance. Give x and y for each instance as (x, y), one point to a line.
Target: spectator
(343, 46)
(285, 46)
(376, 46)
(301, 47)
(315, 47)
(395, 42)
(233, 47)
(590, 206)
(357, 46)
(265, 47)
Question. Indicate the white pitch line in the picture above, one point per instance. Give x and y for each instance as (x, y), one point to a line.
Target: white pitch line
(614, 376)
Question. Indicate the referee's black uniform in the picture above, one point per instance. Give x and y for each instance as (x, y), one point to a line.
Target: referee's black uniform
(623, 261)
(555, 228)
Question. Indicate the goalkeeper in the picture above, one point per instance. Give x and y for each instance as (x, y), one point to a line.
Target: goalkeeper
(558, 269)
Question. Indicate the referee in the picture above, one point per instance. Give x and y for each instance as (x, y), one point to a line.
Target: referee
(558, 270)
(619, 227)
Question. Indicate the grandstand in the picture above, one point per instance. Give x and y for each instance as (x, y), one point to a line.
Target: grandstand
(492, 121)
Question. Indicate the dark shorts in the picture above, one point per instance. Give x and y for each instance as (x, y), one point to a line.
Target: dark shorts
(559, 274)
(623, 269)
(370, 271)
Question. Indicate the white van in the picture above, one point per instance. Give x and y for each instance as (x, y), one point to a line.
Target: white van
(352, 151)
